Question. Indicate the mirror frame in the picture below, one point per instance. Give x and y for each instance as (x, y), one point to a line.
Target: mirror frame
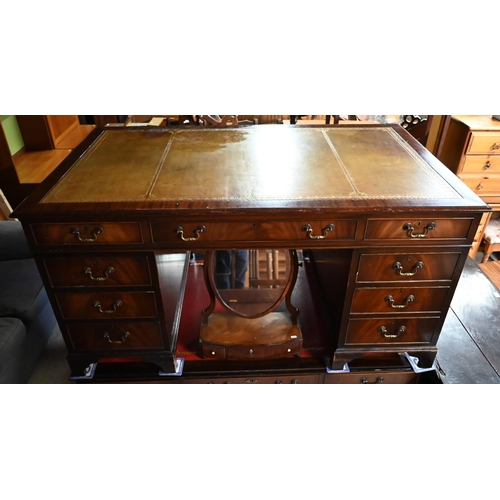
(209, 273)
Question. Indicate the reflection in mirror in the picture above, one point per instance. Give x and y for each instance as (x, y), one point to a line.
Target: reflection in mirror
(250, 283)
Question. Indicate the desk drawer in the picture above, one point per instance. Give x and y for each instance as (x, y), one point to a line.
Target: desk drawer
(115, 336)
(256, 379)
(398, 300)
(372, 377)
(107, 305)
(418, 230)
(407, 267)
(377, 331)
(484, 143)
(305, 231)
(481, 165)
(98, 271)
(87, 233)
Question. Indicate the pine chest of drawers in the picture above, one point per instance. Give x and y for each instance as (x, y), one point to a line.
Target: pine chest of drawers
(383, 230)
(471, 149)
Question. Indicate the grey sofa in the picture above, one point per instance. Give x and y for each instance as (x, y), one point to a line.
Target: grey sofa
(26, 316)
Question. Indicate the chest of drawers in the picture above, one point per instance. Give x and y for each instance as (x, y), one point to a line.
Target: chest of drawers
(111, 303)
(383, 227)
(471, 149)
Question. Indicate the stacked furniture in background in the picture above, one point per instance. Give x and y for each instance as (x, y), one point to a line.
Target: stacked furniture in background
(471, 149)
(47, 140)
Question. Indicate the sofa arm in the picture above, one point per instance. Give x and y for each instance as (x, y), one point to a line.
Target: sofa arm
(13, 244)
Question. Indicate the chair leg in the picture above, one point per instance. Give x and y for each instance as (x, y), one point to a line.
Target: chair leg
(485, 258)
(488, 250)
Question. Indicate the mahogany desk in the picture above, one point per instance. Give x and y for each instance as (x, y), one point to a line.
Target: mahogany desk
(382, 230)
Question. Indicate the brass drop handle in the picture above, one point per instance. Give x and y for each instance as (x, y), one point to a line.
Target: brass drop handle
(95, 232)
(495, 145)
(380, 380)
(116, 304)
(383, 331)
(390, 299)
(125, 336)
(399, 268)
(197, 231)
(487, 165)
(409, 228)
(109, 270)
(308, 228)
(480, 186)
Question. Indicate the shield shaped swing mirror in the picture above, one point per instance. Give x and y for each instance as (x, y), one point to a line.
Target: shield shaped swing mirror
(250, 315)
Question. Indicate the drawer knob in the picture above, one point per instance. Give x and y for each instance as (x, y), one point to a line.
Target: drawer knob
(487, 165)
(109, 270)
(387, 335)
(399, 268)
(308, 228)
(495, 145)
(409, 228)
(197, 232)
(479, 186)
(390, 299)
(125, 336)
(116, 304)
(97, 231)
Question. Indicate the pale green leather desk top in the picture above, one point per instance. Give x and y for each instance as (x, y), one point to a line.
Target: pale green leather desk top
(249, 164)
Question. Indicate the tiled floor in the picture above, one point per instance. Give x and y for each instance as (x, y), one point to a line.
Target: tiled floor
(469, 347)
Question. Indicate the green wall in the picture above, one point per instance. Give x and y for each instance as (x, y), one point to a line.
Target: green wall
(12, 133)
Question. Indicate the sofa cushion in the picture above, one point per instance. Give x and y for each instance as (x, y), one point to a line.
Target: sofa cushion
(22, 294)
(12, 340)
(13, 244)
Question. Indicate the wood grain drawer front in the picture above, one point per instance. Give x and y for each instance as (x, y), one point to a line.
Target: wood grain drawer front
(481, 165)
(101, 271)
(375, 377)
(87, 233)
(420, 231)
(250, 352)
(107, 305)
(115, 336)
(482, 184)
(307, 230)
(256, 379)
(407, 267)
(484, 143)
(398, 300)
(377, 331)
